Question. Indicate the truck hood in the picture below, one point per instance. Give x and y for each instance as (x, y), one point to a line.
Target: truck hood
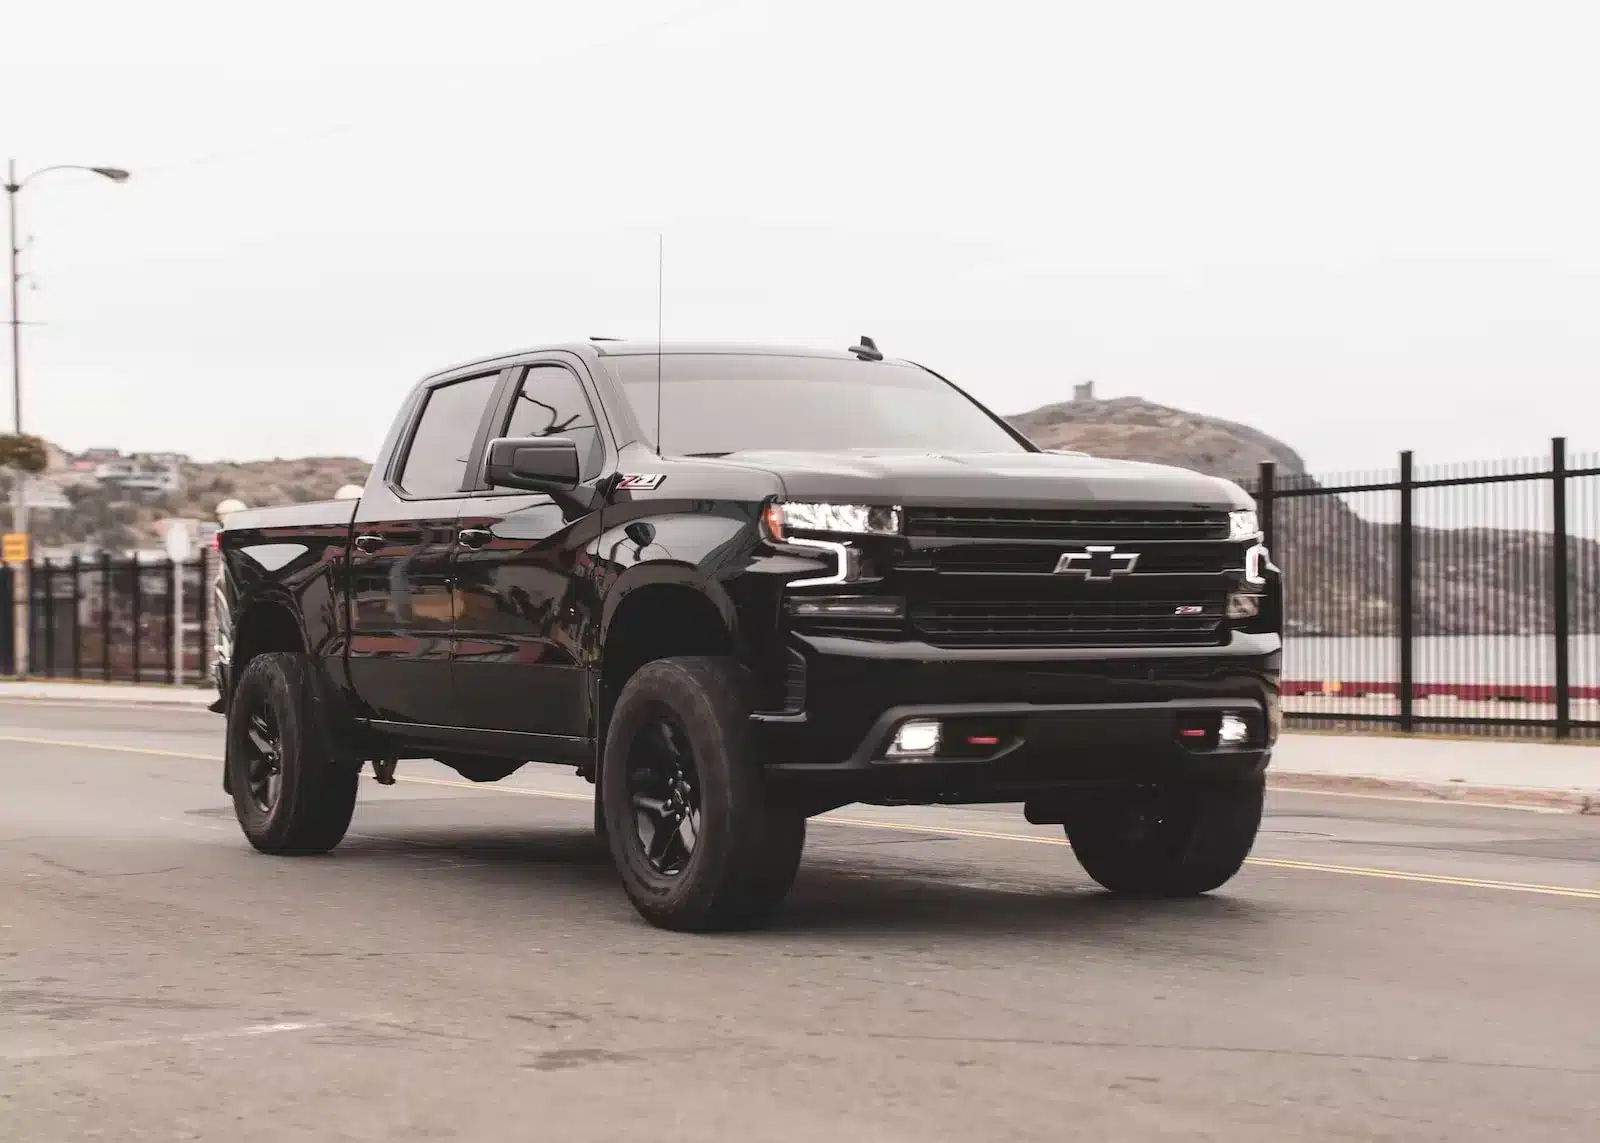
(998, 479)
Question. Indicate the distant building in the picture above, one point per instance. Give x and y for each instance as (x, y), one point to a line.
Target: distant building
(1084, 393)
(44, 494)
(149, 473)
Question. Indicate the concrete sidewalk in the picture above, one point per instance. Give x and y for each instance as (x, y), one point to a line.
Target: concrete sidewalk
(1502, 772)
(1488, 771)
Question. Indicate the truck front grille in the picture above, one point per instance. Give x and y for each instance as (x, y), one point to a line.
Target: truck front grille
(1069, 623)
(988, 577)
(1066, 525)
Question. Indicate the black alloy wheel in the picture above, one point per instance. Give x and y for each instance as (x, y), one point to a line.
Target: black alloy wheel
(263, 759)
(664, 791)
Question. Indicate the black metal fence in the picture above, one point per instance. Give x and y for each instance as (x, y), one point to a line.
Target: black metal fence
(1452, 599)
(114, 620)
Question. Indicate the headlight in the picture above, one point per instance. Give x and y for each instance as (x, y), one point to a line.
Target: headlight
(850, 519)
(1244, 525)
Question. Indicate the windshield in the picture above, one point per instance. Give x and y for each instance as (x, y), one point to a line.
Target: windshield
(731, 402)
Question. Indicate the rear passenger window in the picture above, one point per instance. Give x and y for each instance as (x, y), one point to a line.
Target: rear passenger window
(550, 403)
(436, 463)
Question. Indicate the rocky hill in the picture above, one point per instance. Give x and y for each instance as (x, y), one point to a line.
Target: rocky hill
(105, 516)
(1131, 428)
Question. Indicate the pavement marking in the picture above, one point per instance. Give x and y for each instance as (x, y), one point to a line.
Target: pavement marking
(68, 1051)
(116, 748)
(904, 827)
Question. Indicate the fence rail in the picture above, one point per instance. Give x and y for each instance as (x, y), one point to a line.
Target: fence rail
(1459, 599)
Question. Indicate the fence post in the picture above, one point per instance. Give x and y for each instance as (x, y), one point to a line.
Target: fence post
(1404, 586)
(77, 623)
(174, 622)
(105, 615)
(1558, 596)
(1266, 488)
(8, 636)
(138, 614)
(49, 604)
(203, 607)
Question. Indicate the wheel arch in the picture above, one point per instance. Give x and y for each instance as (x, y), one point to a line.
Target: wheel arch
(659, 611)
(264, 624)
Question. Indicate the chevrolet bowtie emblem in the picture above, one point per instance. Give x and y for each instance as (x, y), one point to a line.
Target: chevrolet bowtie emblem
(1097, 563)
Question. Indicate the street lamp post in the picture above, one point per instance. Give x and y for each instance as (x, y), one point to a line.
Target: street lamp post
(19, 498)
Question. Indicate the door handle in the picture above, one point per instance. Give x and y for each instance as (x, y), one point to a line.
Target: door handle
(369, 544)
(474, 537)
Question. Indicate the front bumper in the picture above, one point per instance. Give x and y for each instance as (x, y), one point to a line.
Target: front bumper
(1056, 718)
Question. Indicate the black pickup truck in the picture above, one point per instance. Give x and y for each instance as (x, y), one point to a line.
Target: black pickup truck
(737, 587)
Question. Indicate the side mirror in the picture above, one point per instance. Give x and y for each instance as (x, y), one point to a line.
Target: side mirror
(534, 464)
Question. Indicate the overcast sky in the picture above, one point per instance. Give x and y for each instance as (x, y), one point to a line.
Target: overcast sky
(1359, 226)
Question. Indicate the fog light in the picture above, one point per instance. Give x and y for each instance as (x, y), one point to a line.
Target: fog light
(1232, 730)
(918, 738)
(1243, 606)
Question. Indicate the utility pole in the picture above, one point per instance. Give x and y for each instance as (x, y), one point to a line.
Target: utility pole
(12, 187)
(19, 491)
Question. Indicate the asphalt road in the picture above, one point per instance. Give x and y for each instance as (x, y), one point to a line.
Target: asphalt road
(465, 967)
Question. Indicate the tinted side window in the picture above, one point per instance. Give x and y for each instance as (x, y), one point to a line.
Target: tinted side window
(551, 403)
(436, 464)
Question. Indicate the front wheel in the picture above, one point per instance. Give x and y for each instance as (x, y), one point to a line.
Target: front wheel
(698, 836)
(1175, 841)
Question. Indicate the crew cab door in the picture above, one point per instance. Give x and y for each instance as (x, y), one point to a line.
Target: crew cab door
(523, 585)
(404, 536)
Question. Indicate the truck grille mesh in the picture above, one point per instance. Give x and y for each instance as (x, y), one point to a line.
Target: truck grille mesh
(1066, 526)
(1069, 623)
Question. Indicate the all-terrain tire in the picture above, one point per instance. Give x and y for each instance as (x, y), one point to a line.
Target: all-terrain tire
(1177, 841)
(309, 808)
(749, 841)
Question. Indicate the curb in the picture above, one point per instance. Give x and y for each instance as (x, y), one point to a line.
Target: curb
(109, 695)
(1521, 797)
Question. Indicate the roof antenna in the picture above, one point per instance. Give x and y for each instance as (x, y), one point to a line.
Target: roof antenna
(660, 279)
(867, 350)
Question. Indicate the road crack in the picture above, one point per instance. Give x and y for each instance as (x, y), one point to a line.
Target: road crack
(1225, 1049)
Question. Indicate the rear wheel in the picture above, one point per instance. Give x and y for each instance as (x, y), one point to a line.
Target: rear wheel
(291, 794)
(1172, 841)
(700, 839)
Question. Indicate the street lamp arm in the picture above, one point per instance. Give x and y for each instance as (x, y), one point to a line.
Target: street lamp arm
(115, 174)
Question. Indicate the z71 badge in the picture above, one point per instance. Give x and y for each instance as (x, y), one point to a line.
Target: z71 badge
(640, 480)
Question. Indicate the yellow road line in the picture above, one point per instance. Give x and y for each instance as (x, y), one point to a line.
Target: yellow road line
(904, 827)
